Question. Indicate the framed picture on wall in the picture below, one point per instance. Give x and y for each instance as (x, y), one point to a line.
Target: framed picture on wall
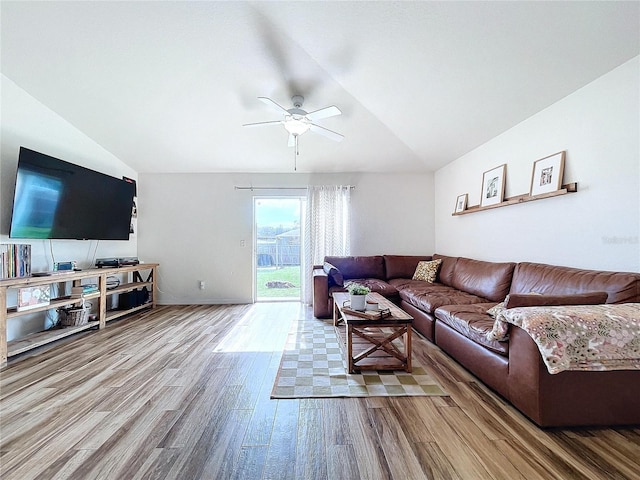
(461, 203)
(547, 174)
(493, 186)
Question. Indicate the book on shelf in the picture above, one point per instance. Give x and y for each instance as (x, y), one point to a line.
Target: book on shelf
(33, 297)
(82, 290)
(15, 260)
(77, 292)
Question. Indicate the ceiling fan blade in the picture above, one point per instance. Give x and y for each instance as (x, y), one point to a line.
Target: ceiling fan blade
(292, 140)
(270, 103)
(259, 124)
(326, 112)
(326, 132)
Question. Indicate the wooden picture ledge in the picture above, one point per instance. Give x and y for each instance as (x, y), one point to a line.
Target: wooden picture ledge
(568, 188)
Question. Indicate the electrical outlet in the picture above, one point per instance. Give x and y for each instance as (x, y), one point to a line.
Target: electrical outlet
(243, 243)
(201, 284)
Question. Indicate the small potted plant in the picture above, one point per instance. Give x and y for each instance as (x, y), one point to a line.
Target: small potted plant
(358, 294)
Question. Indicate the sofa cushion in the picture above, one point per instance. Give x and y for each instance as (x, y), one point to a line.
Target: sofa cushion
(371, 266)
(490, 280)
(445, 274)
(473, 322)
(402, 266)
(335, 276)
(536, 300)
(555, 280)
(427, 270)
(400, 283)
(429, 296)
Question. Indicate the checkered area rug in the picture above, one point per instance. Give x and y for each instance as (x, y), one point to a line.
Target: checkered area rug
(313, 365)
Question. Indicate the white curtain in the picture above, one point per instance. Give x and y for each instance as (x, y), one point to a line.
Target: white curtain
(326, 229)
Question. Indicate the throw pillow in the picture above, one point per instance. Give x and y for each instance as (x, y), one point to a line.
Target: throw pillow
(536, 300)
(335, 276)
(427, 270)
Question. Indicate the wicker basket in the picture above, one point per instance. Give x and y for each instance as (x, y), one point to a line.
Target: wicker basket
(74, 316)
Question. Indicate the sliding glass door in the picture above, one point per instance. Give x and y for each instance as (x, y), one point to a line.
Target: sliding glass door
(278, 254)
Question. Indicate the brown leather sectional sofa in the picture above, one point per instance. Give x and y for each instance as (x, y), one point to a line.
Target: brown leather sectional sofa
(452, 313)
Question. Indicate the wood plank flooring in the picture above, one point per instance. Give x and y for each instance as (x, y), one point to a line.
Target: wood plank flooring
(182, 392)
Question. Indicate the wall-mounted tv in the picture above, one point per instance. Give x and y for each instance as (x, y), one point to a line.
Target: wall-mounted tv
(59, 200)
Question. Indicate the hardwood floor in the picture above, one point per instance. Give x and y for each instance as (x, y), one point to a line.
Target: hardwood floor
(183, 393)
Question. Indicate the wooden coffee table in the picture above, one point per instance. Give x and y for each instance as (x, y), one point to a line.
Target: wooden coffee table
(369, 342)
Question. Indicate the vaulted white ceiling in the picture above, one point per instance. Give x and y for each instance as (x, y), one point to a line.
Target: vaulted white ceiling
(166, 86)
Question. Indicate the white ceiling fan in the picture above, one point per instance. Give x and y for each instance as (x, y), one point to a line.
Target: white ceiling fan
(297, 121)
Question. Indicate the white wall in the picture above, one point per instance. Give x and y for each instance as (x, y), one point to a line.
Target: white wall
(597, 227)
(192, 224)
(27, 122)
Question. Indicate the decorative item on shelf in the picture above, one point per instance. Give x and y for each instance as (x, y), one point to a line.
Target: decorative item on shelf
(112, 282)
(461, 203)
(33, 297)
(65, 266)
(371, 305)
(358, 295)
(15, 260)
(547, 174)
(133, 299)
(493, 186)
(74, 316)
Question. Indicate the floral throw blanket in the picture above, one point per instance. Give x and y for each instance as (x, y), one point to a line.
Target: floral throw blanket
(579, 337)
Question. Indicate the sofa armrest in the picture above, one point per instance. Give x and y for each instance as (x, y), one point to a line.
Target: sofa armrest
(525, 370)
(569, 398)
(321, 301)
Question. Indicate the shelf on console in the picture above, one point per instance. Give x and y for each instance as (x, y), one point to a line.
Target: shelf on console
(38, 339)
(568, 188)
(54, 277)
(127, 287)
(113, 314)
(54, 303)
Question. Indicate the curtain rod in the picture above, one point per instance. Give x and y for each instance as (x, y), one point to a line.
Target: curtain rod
(351, 187)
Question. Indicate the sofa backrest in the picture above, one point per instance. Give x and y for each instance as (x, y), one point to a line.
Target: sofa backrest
(490, 280)
(369, 266)
(445, 272)
(621, 287)
(402, 266)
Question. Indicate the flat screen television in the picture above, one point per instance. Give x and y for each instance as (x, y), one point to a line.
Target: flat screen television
(59, 200)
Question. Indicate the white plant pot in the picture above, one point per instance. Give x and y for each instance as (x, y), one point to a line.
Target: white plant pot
(358, 302)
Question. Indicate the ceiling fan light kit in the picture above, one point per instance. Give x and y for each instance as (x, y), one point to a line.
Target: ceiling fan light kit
(296, 124)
